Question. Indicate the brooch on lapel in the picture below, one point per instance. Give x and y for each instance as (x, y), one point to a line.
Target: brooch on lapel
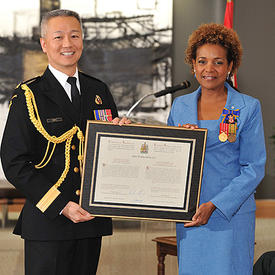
(98, 100)
(228, 126)
(104, 115)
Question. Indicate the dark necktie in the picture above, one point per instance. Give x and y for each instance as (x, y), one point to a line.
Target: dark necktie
(74, 93)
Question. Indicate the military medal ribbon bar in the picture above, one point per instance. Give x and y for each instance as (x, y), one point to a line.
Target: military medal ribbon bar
(103, 115)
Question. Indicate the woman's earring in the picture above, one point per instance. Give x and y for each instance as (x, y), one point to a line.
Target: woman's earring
(228, 75)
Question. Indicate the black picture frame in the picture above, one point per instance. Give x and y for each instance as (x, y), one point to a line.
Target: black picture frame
(99, 133)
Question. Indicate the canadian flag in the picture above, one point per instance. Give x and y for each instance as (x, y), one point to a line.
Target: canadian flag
(228, 22)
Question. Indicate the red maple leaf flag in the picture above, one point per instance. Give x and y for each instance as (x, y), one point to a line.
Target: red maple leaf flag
(228, 22)
(228, 17)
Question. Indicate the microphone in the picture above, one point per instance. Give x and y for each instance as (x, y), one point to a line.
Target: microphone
(183, 85)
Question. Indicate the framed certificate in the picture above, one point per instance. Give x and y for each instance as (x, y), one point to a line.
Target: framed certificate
(141, 171)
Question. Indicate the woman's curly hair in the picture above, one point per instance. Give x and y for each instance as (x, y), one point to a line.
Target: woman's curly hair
(215, 34)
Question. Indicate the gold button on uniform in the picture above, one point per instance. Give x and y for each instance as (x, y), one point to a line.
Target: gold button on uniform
(77, 192)
(76, 169)
(73, 147)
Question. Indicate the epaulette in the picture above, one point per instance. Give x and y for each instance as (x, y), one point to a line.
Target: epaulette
(24, 82)
(29, 81)
(10, 102)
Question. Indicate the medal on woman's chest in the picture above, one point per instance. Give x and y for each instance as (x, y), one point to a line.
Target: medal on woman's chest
(228, 126)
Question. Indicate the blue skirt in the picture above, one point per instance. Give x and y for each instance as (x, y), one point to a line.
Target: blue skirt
(217, 248)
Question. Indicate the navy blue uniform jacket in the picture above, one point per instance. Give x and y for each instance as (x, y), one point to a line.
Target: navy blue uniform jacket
(23, 147)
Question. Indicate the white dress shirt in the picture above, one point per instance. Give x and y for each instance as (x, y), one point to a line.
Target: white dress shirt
(62, 79)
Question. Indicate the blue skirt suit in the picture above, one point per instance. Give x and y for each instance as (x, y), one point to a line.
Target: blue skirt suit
(232, 171)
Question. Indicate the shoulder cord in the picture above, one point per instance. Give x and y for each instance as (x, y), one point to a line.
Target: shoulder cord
(66, 137)
(11, 100)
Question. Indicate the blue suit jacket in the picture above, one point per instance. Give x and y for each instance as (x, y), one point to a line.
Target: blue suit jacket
(231, 171)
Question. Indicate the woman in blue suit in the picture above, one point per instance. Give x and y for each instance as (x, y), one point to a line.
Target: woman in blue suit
(220, 238)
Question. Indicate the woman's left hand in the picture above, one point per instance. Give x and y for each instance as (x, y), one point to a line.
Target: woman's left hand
(121, 121)
(202, 215)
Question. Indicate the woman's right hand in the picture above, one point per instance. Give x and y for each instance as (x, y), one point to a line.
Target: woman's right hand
(188, 126)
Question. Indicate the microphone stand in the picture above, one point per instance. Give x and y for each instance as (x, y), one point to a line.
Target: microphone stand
(185, 84)
(137, 103)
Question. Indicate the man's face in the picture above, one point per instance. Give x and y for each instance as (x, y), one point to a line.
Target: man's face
(63, 43)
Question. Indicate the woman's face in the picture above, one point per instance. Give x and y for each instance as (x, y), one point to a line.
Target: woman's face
(211, 66)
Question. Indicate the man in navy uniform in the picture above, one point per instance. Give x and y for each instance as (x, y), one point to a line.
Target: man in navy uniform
(41, 149)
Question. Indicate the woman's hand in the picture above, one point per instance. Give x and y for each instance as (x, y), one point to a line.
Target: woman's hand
(188, 126)
(121, 121)
(202, 215)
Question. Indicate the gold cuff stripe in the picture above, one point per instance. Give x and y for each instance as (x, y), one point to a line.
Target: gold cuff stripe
(47, 199)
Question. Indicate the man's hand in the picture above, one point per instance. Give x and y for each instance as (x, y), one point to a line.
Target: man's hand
(202, 215)
(75, 213)
(121, 121)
